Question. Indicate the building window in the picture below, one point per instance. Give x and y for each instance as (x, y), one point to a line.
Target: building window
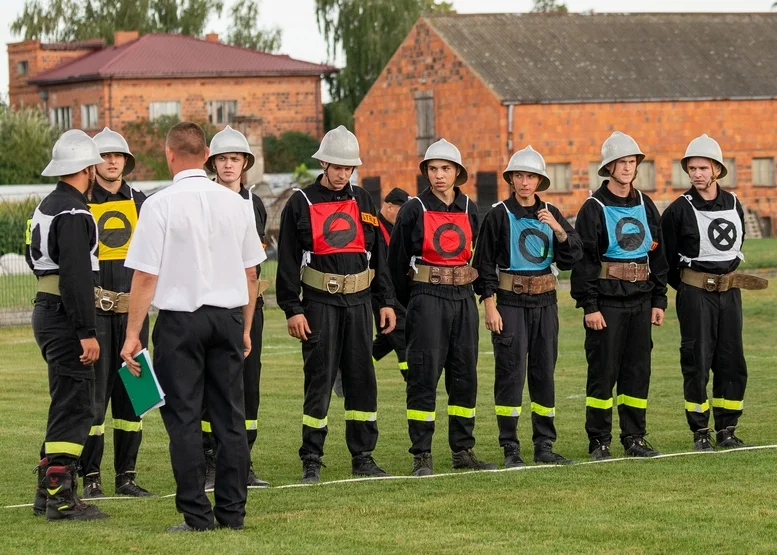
(222, 112)
(424, 120)
(372, 186)
(730, 181)
(22, 67)
(646, 176)
(680, 179)
(560, 178)
(61, 117)
(167, 108)
(763, 172)
(594, 179)
(88, 116)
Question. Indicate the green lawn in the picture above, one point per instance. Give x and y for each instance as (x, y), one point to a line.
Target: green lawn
(698, 503)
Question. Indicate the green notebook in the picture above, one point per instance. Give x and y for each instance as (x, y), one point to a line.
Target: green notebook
(144, 391)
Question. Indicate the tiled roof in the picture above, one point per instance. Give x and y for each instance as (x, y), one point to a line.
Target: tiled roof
(550, 58)
(171, 56)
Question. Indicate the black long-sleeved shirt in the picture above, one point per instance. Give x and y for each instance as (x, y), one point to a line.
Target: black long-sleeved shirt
(114, 276)
(295, 236)
(493, 250)
(407, 240)
(260, 215)
(70, 242)
(681, 233)
(586, 286)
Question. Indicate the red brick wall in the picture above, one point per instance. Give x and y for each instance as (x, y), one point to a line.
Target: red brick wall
(470, 116)
(75, 95)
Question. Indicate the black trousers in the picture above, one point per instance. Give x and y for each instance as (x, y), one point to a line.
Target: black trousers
(441, 334)
(532, 332)
(341, 338)
(394, 341)
(127, 426)
(711, 331)
(252, 372)
(618, 354)
(195, 351)
(71, 383)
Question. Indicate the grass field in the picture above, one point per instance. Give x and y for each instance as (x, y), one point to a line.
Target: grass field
(723, 503)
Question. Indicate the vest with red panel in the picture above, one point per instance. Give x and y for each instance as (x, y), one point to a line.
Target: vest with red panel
(447, 237)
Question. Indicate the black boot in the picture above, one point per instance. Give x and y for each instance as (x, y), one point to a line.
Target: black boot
(466, 459)
(513, 457)
(125, 485)
(727, 439)
(422, 465)
(311, 469)
(39, 505)
(636, 446)
(365, 465)
(254, 481)
(93, 487)
(62, 501)
(702, 440)
(600, 451)
(210, 469)
(543, 454)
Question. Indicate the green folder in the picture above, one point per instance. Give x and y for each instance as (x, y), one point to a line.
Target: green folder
(144, 391)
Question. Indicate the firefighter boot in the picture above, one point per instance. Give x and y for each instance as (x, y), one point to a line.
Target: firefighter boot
(93, 486)
(727, 439)
(543, 453)
(467, 460)
(365, 465)
(513, 457)
(702, 440)
(255, 481)
(600, 451)
(311, 469)
(422, 465)
(62, 502)
(125, 485)
(39, 505)
(636, 446)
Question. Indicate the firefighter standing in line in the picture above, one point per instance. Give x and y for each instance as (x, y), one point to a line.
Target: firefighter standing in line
(519, 240)
(230, 157)
(703, 233)
(429, 255)
(115, 206)
(63, 255)
(383, 344)
(330, 229)
(620, 283)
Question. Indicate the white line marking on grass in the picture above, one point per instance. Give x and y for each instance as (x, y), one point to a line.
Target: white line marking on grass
(464, 473)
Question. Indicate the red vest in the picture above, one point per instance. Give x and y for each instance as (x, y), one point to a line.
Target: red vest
(447, 238)
(336, 227)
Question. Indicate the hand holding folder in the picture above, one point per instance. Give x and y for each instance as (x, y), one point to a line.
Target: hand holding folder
(144, 390)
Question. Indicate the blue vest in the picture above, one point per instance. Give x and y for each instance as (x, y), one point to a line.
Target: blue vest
(628, 232)
(531, 244)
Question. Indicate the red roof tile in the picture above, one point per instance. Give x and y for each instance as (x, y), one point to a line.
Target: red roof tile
(171, 56)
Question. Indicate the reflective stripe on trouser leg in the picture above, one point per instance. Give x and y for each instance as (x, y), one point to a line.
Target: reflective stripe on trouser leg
(634, 376)
(542, 329)
(510, 349)
(729, 369)
(461, 372)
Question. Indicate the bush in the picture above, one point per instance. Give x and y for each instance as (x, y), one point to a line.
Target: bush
(13, 224)
(284, 154)
(26, 139)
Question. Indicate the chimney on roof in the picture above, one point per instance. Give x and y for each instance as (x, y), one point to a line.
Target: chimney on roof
(123, 37)
(212, 37)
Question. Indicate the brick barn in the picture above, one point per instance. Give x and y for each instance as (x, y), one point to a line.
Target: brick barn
(492, 84)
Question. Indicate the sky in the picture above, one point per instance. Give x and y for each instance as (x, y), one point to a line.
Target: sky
(302, 40)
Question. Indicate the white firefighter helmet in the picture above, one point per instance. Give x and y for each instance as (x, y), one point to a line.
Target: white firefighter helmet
(618, 145)
(74, 151)
(229, 140)
(340, 147)
(110, 141)
(443, 150)
(704, 147)
(528, 160)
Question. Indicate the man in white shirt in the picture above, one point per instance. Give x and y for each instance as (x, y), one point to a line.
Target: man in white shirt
(194, 252)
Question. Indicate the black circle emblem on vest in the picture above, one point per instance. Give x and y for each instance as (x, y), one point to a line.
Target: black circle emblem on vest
(437, 240)
(114, 237)
(722, 234)
(630, 241)
(339, 238)
(35, 245)
(524, 248)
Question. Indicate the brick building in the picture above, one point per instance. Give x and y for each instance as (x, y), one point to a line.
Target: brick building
(492, 84)
(88, 85)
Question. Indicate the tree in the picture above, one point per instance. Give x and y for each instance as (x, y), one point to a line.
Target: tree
(26, 139)
(549, 6)
(244, 28)
(67, 20)
(367, 34)
(282, 155)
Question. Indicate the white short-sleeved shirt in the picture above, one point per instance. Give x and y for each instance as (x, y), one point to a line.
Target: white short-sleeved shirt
(198, 238)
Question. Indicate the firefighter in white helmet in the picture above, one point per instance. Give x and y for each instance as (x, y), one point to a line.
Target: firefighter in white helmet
(62, 252)
(329, 230)
(620, 283)
(703, 231)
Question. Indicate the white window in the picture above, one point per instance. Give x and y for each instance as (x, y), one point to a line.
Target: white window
(680, 179)
(594, 179)
(763, 172)
(61, 117)
(646, 176)
(88, 116)
(165, 108)
(730, 181)
(221, 112)
(560, 178)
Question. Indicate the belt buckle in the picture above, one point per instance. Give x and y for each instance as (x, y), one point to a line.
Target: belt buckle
(634, 266)
(710, 283)
(518, 286)
(435, 277)
(332, 282)
(105, 300)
